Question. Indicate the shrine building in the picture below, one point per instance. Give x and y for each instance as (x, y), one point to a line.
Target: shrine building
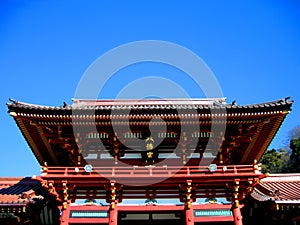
(151, 161)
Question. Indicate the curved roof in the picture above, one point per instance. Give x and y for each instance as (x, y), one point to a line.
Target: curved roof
(283, 189)
(249, 128)
(205, 103)
(19, 191)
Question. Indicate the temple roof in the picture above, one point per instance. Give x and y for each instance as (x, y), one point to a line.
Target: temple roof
(247, 129)
(283, 189)
(18, 192)
(129, 104)
(194, 103)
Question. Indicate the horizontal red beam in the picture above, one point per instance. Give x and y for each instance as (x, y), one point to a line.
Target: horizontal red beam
(88, 220)
(145, 208)
(152, 171)
(152, 177)
(213, 219)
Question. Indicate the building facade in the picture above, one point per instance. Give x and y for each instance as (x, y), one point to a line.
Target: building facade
(192, 161)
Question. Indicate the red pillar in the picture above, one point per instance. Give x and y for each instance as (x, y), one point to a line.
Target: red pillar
(189, 216)
(64, 219)
(237, 215)
(113, 215)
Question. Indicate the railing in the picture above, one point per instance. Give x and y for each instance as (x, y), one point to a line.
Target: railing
(151, 171)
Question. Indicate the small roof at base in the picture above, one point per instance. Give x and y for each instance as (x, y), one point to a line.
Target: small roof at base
(283, 189)
(18, 192)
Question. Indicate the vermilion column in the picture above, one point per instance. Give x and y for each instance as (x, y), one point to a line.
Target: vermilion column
(64, 216)
(113, 215)
(237, 215)
(189, 216)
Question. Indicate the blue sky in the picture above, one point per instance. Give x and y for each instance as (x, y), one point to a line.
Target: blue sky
(252, 47)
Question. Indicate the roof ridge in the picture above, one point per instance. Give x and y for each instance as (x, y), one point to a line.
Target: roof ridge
(215, 102)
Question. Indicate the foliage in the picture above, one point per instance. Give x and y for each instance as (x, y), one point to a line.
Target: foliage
(294, 161)
(274, 161)
(284, 160)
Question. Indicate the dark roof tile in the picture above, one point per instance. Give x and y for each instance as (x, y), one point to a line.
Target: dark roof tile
(18, 190)
(210, 103)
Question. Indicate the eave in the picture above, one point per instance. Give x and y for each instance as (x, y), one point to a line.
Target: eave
(34, 120)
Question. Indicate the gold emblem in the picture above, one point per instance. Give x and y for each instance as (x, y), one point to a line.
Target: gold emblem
(149, 154)
(149, 144)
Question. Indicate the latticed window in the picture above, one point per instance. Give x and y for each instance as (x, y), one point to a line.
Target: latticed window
(96, 135)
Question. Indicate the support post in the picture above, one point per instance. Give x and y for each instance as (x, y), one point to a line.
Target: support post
(64, 218)
(237, 215)
(236, 208)
(113, 215)
(189, 216)
(113, 209)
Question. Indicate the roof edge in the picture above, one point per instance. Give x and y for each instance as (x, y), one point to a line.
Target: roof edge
(218, 102)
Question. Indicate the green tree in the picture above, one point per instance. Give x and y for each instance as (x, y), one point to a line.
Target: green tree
(284, 160)
(293, 165)
(274, 161)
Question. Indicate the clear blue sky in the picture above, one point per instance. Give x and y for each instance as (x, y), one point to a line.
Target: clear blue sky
(252, 47)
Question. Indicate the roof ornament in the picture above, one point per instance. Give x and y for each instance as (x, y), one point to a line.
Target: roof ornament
(65, 105)
(285, 100)
(219, 103)
(13, 101)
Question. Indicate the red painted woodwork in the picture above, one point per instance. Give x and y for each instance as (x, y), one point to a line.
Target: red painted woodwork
(65, 136)
(113, 216)
(50, 134)
(189, 216)
(237, 215)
